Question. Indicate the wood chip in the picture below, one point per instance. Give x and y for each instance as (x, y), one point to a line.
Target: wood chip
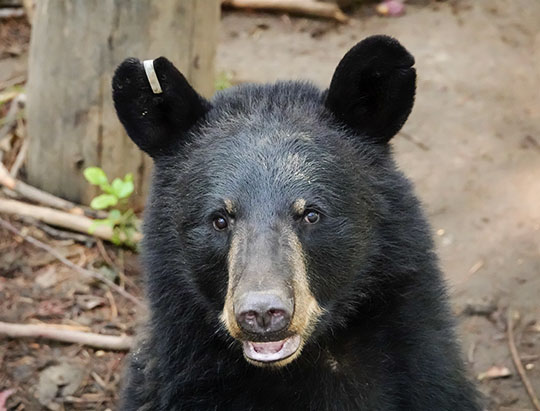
(497, 371)
(477, 266)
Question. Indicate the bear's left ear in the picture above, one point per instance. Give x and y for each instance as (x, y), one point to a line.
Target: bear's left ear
(372, 90)
(155, 115)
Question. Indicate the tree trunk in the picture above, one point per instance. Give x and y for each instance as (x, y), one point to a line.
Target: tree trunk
(75, 47)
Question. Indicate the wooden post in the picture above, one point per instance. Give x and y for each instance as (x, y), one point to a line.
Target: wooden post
(75, 47)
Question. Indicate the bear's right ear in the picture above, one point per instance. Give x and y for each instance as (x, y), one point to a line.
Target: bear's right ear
(155, 121)
(372, 90)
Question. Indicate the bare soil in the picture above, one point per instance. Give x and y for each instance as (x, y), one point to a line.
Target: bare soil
(35, 288)
(471, 146)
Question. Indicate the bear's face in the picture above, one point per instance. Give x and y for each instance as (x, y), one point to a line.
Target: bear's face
(279, 211)
(271, 189)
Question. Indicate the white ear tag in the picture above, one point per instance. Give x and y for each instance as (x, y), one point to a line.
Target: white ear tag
(152, 77)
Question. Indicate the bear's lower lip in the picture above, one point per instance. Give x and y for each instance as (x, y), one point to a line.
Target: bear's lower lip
(271, 351)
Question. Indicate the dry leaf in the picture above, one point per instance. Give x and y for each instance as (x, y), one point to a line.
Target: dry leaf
(89, 302)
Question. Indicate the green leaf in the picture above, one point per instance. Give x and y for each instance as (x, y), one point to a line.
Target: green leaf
(116, 186)
(128, 177)
(93, 227)
(122, 189)
(95, 176)
(223, 81)
(106, 188)
(103, 201)
(127, 190)
(116, 237)
(115, 216)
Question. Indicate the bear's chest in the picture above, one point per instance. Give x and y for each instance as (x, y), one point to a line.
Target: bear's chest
(333, 384)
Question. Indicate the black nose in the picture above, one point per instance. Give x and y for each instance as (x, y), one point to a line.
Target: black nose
(262, 313)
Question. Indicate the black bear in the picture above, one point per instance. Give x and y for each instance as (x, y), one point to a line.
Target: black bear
(288, 263)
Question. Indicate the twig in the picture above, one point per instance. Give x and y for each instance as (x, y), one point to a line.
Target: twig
(83, 271)
(112, 303)
(19, 159)
(529, 357)
(108, 342)
(40, 196)
(122, 279)
(62, 234)
(85, 399)
(99, 380)
(414, 140)
(306, 7)
(517, 361)
(13, 81)
(11, 117)
(58, 218)
(111, 368)
(50, 216)
(120, 271)
(9, 13)
(104, 254)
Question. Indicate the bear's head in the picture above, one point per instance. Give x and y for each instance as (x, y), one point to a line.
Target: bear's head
(264, 218)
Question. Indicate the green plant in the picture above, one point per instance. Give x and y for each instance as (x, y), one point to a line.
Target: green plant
(122, 221)
(223, 81)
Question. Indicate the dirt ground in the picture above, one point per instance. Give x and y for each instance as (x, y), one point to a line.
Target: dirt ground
(471, 146)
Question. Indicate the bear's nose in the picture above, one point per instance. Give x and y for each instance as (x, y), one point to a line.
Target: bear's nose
(263, 313)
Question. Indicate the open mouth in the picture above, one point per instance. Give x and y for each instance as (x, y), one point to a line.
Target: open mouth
(273, 350)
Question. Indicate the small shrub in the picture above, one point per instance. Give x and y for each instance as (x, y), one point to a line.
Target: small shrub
(122, 221)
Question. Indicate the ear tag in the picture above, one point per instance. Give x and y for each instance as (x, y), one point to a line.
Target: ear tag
(152, 77)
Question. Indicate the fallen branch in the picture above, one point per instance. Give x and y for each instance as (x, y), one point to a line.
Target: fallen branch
(517, 361)
(61, 234)
(34, 194)
(10, 13)
(58, 218)
(50, 216)
(305, 7)
(87, 273)
(52, 332)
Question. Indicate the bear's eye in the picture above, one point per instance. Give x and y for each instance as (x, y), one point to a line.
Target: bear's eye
(312, 217)
(220, 223)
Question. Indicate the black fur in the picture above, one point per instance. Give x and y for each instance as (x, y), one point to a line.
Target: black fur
(151, 120)
(386, 339)
(373, 88)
